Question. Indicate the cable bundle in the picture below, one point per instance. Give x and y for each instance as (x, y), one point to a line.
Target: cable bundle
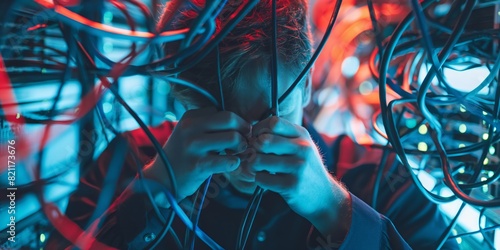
(438, 87)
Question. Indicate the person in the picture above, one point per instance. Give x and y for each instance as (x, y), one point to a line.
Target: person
(315, 187)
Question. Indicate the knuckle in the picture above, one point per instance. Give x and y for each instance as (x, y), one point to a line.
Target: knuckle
(282, 186)
(227, 116)
(273, 122)
(252, 155)
(234, 138)
(298, 164)
(255, 160)
(303, 130)
(197, 166)
(292, 181)
(303, 145)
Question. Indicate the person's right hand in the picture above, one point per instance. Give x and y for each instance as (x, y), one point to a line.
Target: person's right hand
(204, 142)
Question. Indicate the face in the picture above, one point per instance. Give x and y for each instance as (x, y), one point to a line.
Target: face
(252, 99)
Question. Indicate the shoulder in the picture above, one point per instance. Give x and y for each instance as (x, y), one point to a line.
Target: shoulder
(351, 155)
(161, 132)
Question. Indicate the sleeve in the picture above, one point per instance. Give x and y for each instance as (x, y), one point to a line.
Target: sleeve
(129, 221)
(418, 221)
(369, 230)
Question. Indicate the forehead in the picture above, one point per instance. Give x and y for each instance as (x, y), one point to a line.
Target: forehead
(252, 94)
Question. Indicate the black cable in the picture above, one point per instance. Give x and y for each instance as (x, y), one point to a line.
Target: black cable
(189, 236)
(219, 79)
(167, 226)
(438, 61)
(252, 220)
(376, 32)
(486, 229)
(446, 233)
(479, 166)
(194, 59)
(244, 229)
(198, 212)
(205, 14)
(306, 69)
(396, 142)
(451, 182)
(380, 170)
(167, 223)
(385, 111)
(274, 62)
(107, 124)
(483, 233)
(378, 178)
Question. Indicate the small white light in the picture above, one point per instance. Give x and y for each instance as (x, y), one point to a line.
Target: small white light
(350, 66)
(462, 128)
(485, 136)
(422, 146)
(365, 88)
(484, 187)
(422, 129)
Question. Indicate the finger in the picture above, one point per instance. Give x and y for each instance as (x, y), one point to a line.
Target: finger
(218, 142)
(278, 126)
(276, 144)
(214, 164)
(243, 172)
(275, 182)
(248, 155)
(276, 163)
(193, 113)
(208, 120)
(226, 120)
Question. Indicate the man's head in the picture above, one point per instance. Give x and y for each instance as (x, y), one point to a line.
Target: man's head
(245, 60)
(245, 56)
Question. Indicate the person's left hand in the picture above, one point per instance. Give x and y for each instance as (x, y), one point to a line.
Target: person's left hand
(288, 162)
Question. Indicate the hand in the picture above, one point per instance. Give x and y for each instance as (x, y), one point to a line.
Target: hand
(204, 142)
(288, 162)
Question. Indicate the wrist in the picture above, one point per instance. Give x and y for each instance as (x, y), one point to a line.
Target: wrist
(156, 171)
(334, 219)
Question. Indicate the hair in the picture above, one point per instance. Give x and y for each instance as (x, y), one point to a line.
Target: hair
(247, 45)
